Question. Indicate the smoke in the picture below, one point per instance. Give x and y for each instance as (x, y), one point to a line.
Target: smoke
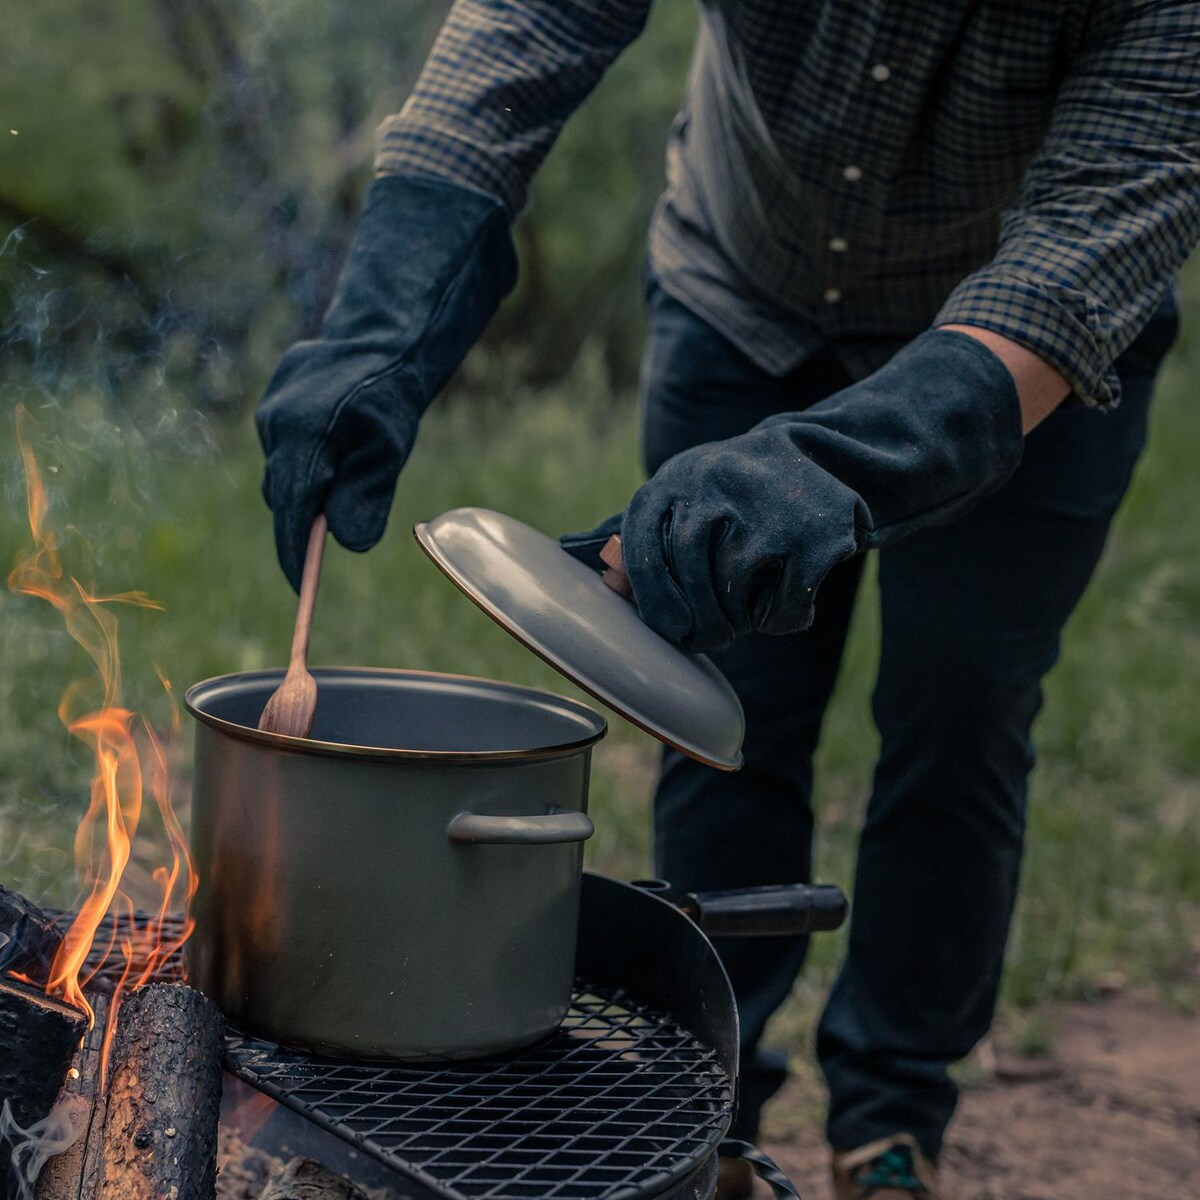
(28, 1150)
(35, 856)
(172, 232)
(111, 410)
(110, 475)
(193, 191)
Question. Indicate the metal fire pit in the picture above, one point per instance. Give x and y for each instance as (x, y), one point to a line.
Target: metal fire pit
(623, 1102)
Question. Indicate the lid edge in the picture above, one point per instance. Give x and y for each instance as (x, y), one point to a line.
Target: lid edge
(434, 554)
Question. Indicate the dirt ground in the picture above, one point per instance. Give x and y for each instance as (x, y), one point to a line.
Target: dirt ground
(1114, 1114)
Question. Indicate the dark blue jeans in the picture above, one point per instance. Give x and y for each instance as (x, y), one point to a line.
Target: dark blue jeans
(971, 618)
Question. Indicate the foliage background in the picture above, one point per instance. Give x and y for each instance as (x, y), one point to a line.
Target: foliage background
(188, 172)
(175, 196)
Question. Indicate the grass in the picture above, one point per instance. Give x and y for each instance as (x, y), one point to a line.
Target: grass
(169, 503)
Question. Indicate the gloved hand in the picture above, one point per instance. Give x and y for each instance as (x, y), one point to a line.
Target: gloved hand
(428, 265)
(737, 535)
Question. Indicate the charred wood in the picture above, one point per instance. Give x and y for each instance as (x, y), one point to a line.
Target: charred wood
(38, 1038)
(75, 1173)
(303, 1179)
(29, 939)
(164, 1096)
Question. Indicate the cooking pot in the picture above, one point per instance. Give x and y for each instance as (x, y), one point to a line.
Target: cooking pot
(404, 883)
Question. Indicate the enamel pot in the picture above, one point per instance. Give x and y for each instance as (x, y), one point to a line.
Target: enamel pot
(404, 883)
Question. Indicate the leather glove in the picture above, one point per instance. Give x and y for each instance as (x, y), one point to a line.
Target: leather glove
(737, 535)
(428, 264)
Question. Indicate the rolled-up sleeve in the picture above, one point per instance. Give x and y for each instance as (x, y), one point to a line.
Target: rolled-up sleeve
(1110, 207)
(500, 81)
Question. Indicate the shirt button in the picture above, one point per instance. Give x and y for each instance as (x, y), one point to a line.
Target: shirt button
(881, 72)
(852, 174)
(832, 295)
(839, 245)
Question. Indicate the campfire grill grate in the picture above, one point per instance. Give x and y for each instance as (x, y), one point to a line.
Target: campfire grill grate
(621, 1102)
(107, 966)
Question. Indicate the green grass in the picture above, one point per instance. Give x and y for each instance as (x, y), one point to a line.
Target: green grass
(170, 505)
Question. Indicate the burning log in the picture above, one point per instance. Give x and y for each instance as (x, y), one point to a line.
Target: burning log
(38, 1037)
(29, 939)
(164, 1096)
(303, 1179)
(152, 1131)
(76, 1172)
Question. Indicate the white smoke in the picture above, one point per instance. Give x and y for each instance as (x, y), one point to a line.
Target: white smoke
(28, 1150)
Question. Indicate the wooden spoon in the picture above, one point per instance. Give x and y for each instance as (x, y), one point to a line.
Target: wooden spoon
(292, 705)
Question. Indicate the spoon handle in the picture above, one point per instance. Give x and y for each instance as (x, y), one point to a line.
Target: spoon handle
(615, 576)
(308, 590)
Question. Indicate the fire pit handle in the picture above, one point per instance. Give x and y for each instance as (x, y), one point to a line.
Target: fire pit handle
(786, 909)
(537, 829)
(763, 1167)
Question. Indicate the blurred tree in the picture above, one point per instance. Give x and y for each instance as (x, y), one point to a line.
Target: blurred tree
(179, 178)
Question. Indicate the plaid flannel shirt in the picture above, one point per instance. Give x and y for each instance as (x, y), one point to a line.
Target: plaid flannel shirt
(849, 172)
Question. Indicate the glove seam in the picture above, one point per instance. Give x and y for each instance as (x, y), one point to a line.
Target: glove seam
(400, 367)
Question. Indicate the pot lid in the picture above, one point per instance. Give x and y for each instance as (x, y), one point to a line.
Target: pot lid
(564, 612)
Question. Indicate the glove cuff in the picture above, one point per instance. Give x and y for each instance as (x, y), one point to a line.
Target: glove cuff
(428, 266)
(923, 439)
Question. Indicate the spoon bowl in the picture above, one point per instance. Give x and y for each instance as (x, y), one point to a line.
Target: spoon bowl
(292, 705)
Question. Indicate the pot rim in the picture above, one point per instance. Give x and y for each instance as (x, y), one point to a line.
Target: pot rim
(297, 745)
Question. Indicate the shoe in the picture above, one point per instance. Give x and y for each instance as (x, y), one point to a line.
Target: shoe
(735, 1179)
(890, 1169)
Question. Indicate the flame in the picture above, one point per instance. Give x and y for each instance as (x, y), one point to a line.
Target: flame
(127, 753)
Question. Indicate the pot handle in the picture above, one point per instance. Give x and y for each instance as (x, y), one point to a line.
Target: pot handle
(538, 829)
(785, 909)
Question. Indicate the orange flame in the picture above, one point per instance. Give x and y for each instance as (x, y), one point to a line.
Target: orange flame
(126, 752)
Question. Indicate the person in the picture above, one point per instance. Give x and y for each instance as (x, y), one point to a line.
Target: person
(896, 238)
